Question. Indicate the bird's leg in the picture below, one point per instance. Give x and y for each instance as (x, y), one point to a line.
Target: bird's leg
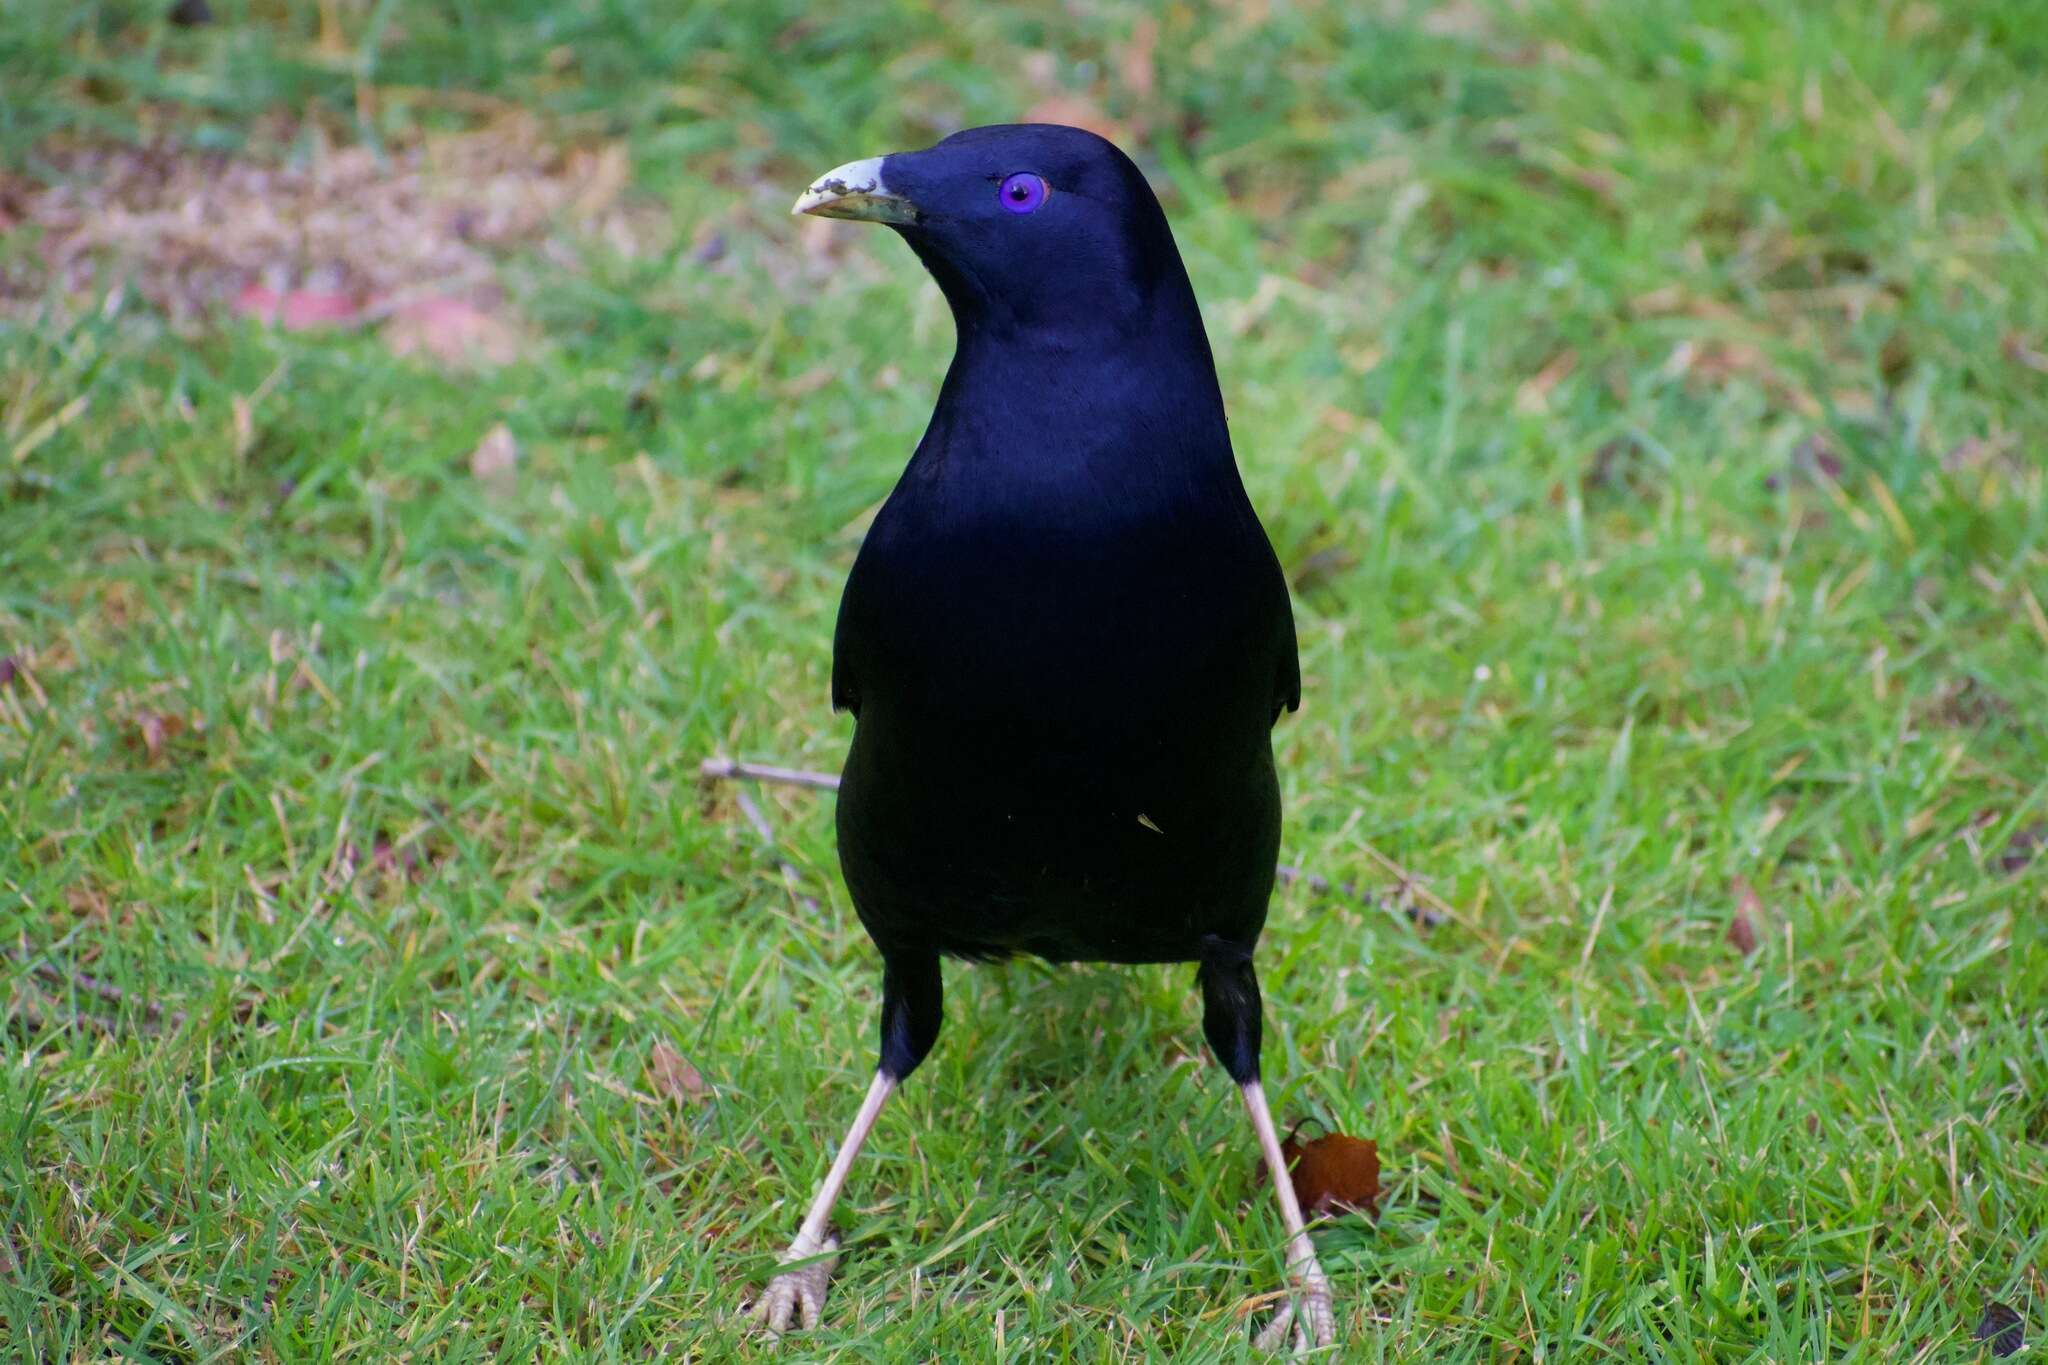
(1309, 1307)
(1230, 1020)
(911, 1014)
(803, 1289)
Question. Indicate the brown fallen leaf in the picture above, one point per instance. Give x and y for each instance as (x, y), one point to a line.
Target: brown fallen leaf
(1457, 19)
(340, 228)
(1749, 909)
(2024, 846)
(1333, 1174)
(1534, 395)
(2020, 351)
(1713, 363)
(710, 247)
(1674, 301)
(1895, 359)
(496, 456)
(155, 729)
(296, 310)
(1322, 566)
(1621, 465)
(2003, 1328)
(394, 860)
(1813, 461)
(1968, 703)
(458, 333)
(1969, 453)
(673, 1077)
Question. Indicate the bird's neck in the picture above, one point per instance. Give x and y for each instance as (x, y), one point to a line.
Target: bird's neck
(1129, 401)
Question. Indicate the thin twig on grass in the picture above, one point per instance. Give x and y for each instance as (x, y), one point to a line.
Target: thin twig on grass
(768, 772)
(790, 876)
(50, 974)
(1422, 916)
(38, 1013)
(1430, 911)
(788, 777)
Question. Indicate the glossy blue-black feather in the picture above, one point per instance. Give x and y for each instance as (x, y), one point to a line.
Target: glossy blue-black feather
(1066, 637)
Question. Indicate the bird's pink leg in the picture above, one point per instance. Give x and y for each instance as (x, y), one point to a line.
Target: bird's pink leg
(1308, 1307)
(803, 1289)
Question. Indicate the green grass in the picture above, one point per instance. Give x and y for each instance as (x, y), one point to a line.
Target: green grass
(1748, 590)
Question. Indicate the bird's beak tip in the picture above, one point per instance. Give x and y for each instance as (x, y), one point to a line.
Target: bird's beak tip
(855, 191)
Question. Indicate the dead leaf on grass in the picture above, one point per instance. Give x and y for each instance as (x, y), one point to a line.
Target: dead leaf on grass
(496, 457)
(673, 1077)
(459, 333)
(1457, 19)
(1968, 453)
(1322, 566)
(1813, 460)
(2024, 846)
(2003, 1328)
(1895, 359)
(1333, 1174)
(317, 235)
(1714, 363)
(1621, 465)
(1968, 703)
(1749, 908)
(1533, 396)
(1673, 300)
(710, 246)
(398, 861)
(155, 730)
(296, 310)
(2020, 351)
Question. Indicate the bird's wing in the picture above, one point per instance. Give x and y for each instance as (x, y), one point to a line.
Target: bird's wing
(1278, 607)
(1287, 670)
(1288, 691)
(845, 696)
(845, 690)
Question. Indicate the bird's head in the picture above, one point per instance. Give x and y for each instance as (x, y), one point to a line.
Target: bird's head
(1030, 229)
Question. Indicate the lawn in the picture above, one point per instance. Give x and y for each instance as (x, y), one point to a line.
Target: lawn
(1648, 402)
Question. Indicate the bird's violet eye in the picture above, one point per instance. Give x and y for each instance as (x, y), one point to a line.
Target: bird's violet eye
(1022, 192)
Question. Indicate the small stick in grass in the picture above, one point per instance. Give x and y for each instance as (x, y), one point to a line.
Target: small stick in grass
(1421, 916)
(789, 777)
(1430, 911)
(768, 772)
(37, 1013)
(50, 974)
(790, 876)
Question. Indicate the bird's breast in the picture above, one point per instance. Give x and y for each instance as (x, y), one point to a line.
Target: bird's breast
(1064, 638)
(1062, 739)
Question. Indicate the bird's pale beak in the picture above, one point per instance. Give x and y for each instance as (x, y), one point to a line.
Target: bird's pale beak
(855, 190)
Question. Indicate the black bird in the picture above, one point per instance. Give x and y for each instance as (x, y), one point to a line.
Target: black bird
(1066, 638)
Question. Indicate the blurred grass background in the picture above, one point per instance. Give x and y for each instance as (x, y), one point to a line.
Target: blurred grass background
(1648, 401)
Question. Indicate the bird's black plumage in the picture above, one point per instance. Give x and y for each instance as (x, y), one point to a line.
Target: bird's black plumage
(1066, 638)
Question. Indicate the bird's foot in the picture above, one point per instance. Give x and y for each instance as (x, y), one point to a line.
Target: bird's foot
(801, 1290)
(1309, 1310)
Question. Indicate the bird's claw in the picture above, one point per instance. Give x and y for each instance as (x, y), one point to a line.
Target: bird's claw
(801, 1290)
(1309, 1310)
